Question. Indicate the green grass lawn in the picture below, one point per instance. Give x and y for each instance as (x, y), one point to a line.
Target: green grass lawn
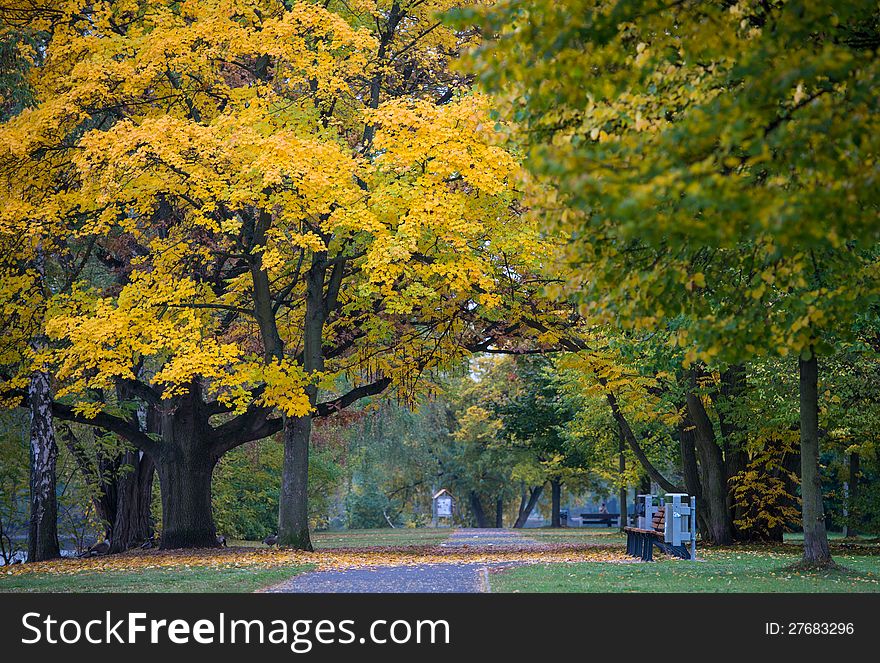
(179, 579)
(747, 570)
(365, 538)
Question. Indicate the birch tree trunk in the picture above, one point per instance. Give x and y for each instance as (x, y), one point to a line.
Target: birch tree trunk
(43, 527)
(43, 532)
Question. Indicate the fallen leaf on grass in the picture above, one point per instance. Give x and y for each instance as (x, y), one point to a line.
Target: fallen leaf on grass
(323, 560)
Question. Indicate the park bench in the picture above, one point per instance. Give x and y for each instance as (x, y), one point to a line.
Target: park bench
(599, 518)
(669, 527)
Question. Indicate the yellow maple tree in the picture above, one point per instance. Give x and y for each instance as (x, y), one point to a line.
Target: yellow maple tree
(272, 209)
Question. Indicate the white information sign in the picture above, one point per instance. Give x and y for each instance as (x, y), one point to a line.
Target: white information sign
(444, 507)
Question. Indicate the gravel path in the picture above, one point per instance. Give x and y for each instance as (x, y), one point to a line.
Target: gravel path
(423, 578)
(427, 578)
(488, 538)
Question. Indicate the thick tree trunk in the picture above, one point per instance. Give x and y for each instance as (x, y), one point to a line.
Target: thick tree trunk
(187, 520)
(714, 478)
(733, 389)
(100, 472)
(555, 502)
(691, 470)
(293, 507)
(816, 550)
(133, 523)
(132, 492)
(499, 513)
(184, 461)
(123, 498)
(477, 509)
(43, 533)
(184, 464)
(687, 447)
(526, 509)
(523, 497)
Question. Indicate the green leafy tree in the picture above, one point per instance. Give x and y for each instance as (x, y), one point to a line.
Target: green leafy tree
(535, 415)
(709, 159)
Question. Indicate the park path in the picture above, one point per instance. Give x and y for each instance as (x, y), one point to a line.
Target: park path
(487, 538)
(422, 578)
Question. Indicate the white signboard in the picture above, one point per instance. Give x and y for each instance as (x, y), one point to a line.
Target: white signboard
(444, 507)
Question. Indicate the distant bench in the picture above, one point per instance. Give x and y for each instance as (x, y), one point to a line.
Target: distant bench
(671, 537)
(599, 518)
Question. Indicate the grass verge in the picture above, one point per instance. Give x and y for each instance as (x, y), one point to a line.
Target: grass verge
(189, 579)
(747, 570)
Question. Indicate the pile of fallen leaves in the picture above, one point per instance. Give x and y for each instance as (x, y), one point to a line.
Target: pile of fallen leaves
(339, 558)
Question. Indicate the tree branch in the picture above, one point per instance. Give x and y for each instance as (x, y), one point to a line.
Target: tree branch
(254, 424)
(633, 443)
(142, 390)
(110, 423)
(330, 407)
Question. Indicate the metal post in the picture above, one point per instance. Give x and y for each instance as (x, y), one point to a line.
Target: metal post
(694, 529)
(674, 516)
(646, 520)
